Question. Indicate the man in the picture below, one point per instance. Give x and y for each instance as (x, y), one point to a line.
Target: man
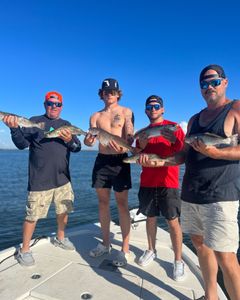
(109, 170)
(49, 177)
(211, 186)
(158, 191)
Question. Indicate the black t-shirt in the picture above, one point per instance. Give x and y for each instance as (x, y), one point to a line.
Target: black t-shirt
(48, 157)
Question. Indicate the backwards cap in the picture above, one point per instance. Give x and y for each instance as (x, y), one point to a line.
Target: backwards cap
(154, 98)
(216, 68)
(53, 95)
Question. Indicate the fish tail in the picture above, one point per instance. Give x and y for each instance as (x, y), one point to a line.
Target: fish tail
(131, 149)
(234, 140)
(45, 133)
(41, 125)
(84, 133)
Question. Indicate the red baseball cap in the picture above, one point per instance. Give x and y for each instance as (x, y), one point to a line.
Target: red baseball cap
(53, 95)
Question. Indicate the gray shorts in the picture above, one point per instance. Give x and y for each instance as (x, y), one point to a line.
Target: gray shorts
(38, 203)
(216, 222)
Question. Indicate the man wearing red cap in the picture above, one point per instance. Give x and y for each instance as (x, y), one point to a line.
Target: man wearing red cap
(109, 170)
(49, 177)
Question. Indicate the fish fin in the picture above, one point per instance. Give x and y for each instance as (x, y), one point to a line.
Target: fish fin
(41, 125)
(45, 133)
(213, 135)
(103, 141)
(139, 132)
(153, 135)
(83, 133)
(132, 149)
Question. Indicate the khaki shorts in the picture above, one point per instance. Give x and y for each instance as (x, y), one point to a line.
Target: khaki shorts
(216, 222)
(38, 203)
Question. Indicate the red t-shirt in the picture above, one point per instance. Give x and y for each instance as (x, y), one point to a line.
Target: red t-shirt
(162, 176)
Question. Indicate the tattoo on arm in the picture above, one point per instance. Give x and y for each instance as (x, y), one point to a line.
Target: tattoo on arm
(129, 124)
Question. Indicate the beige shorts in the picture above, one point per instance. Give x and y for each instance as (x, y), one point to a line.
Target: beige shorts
(38, 203)
(216, 222)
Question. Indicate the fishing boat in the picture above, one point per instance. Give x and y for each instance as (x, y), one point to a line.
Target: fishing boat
(74, 275)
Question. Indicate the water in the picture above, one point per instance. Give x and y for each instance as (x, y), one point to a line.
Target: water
(13, 192)
(13, 186)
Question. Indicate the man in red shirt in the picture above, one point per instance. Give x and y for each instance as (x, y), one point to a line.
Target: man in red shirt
(159, 186)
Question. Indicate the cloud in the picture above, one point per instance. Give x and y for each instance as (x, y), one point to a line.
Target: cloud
(184, 125)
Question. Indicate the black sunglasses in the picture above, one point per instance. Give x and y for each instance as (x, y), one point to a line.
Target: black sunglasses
(50, 103)
(112, 92)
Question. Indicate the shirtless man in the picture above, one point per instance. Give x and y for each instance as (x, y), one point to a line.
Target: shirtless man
(109, 170)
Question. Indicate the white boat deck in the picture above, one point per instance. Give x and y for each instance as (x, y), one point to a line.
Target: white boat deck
(74, 275)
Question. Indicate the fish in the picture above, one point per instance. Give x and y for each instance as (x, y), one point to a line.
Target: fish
(23, 122)
(73, 129)
(105, 137)
(152, 157)
(155, 130)
(211, 139)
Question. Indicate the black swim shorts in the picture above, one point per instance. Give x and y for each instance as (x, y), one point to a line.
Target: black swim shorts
(110, 171)
(153, 201)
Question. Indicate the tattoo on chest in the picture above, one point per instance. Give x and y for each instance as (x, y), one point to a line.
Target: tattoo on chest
(117, 118)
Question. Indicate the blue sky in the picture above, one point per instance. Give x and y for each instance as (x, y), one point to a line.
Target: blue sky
(149, 46)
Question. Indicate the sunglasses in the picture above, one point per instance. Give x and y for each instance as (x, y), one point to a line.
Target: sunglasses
(205, 84)
(50, 103)
(112, 92)
(154, 106)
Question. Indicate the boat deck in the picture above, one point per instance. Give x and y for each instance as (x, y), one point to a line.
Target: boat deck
(73, 275)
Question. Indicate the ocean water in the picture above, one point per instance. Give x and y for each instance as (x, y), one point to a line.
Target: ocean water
(13, 192)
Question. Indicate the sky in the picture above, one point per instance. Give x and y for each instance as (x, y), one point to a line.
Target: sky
(149, 46)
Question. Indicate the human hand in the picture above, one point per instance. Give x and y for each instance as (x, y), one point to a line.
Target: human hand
(115, 146)
(199, 146)
(65, 135)
(143, 140)
(11, 121)
(89, 139)
(130, 139)
(143, 159)
(146, 161)
(169, 135)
